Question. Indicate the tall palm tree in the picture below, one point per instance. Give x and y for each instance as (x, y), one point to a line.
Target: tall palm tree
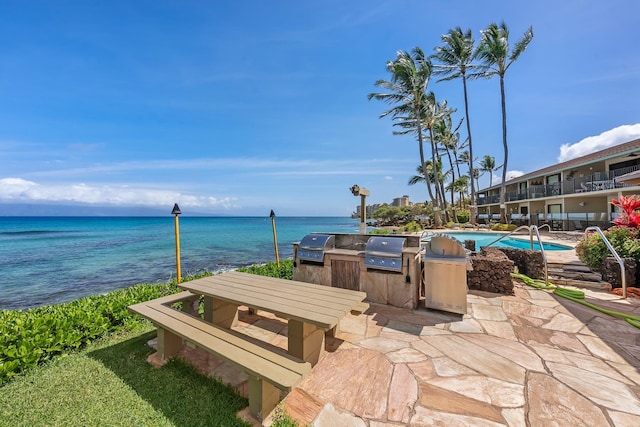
(449, 141)
(476, 177)
(495, 57)
(434, 112)
(455, 58)
(407, 90)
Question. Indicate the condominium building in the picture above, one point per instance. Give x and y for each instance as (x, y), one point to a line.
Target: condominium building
(570, 195)
(401, 201)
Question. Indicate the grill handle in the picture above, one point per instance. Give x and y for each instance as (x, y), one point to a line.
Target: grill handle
(408, 276)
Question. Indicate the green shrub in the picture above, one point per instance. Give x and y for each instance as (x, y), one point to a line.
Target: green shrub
(411, 227)
(503, 227)
(592, 250)
(285, 271)
(463, 215)
(379, 231)
(29, 337)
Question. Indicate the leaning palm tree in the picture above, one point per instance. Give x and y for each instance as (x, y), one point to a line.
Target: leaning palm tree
(455, 58)
(495, 57)
(407, 90)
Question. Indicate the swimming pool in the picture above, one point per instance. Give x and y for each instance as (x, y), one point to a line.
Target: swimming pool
(519, 242)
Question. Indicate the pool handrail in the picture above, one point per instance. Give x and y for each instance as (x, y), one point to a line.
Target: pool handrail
(615, 255)
(531, 229)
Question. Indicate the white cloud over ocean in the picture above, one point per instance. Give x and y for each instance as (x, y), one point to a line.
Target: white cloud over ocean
(19, 190)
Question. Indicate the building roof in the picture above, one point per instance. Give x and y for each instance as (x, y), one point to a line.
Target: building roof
(614, 151)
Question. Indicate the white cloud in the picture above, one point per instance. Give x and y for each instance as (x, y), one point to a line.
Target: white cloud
(388, 178)
(514, 174)
(20, 190)
(606, 139)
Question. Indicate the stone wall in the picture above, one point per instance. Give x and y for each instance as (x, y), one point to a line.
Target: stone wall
(611, 272)
(528, 262)
(491, 272)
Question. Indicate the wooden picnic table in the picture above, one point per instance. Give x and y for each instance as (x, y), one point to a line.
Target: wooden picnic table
(311, 310)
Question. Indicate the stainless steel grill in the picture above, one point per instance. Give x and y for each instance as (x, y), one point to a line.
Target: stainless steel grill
(384, 253)
(313, 246)
(445, 274)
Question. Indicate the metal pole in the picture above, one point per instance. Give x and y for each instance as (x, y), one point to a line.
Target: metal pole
(275, 238)
(176, 212)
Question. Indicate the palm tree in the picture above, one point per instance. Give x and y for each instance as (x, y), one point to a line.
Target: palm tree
(493, 53)
(455, 58)
(407, 90)
(449, 141)
(427, 171)
(488, 164)
(434, 112)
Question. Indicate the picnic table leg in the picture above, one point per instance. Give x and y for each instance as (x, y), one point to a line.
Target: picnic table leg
(306, 341)
(220, 312)
(169, 344)
(263, 397)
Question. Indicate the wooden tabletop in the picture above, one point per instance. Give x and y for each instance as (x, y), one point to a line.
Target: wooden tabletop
(320, 305)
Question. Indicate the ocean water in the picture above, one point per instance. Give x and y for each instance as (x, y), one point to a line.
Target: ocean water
(50, 260)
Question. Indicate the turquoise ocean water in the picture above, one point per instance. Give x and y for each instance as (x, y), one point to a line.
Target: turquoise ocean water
(48, 260)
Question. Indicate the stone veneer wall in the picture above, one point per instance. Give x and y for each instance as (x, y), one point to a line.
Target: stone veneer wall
(528, 262)
(491, 271)
(611, 272)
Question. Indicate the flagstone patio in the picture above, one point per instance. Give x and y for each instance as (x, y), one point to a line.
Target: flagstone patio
(530, 359)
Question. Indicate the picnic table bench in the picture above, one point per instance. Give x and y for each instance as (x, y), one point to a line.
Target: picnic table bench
(311, 311)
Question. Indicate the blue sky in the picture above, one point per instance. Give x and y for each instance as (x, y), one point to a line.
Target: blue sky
(237, 108)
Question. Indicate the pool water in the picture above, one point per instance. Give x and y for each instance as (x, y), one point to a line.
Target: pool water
(521, 242)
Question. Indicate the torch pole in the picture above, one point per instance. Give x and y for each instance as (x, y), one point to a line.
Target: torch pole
(178, 273)
(275, 238)
(176, 211)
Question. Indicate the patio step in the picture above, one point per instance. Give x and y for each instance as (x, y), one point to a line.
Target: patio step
(575, 274)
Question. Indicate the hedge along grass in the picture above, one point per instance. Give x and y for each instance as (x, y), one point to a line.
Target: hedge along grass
(102, 378)
(33, 336)
(30, 337)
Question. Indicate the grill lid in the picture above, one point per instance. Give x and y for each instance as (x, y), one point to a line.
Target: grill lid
(384, 253)
(313, 246)
(385, 246)
(441, 245)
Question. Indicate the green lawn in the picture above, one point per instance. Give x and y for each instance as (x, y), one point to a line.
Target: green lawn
(111, 384)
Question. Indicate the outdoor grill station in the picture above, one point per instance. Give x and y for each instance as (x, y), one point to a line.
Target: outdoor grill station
(399, 270)
(393, 269)
(386, 268)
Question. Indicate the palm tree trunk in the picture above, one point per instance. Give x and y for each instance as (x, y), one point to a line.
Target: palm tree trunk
(503, 186)
(437, 220)
(473, 207)
(453, 191)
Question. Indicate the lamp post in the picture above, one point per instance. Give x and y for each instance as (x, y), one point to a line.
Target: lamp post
(275, 239)
(356, 190)
(176, 212)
